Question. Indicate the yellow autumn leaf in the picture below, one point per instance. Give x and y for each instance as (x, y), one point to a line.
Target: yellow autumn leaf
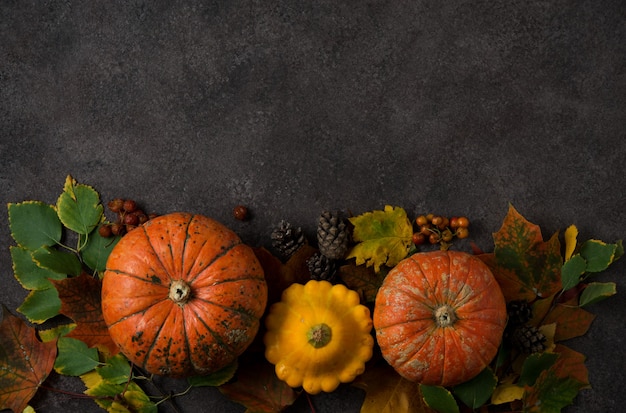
(383, 237)
(506, 393)
(571, 233)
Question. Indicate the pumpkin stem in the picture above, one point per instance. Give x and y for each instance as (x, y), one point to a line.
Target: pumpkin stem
(319, 335)
(445, 316)
(179, 292)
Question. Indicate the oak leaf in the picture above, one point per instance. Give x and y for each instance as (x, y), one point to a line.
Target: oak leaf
(80, 301)
(383, 237)
(25, 362)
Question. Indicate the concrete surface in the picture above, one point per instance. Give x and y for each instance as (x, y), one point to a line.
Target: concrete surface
(294, 107)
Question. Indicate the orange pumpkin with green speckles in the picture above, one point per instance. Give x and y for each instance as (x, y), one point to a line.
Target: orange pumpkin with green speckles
(182, 295)
(439, 317)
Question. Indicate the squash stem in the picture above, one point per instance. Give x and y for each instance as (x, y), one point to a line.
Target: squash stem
(445, 316)
(319, 335)
(180, 291)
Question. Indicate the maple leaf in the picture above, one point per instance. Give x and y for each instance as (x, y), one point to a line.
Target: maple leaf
(80, 301)
(383, 237)
(25, 362)
(525, 265)
(258, 388)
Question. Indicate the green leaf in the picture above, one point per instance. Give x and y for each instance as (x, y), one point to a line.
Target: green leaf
(440, 399)
(475, 392)
(34, 224)
(41, 305)
(117, 398)
(572, 270)
(534, 365)
(214, 379)
(599, 255)
(597, 291)
(54, 333)
(117, 370)
(79, 207)
(383, 237)
(74, 357)
(550, 394)
(96, 251)
(30, 275)
(57, 261)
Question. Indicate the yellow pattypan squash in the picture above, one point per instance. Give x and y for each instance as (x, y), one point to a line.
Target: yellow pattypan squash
(318, 336)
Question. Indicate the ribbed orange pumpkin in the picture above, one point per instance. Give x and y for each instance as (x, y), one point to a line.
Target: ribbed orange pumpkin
(439, 317)
(182, 295)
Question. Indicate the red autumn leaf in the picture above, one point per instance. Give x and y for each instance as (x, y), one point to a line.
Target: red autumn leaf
(258, 388)
(571, 364)
(280, 276)
(525, 266)
(80, 300)
(571, 321)
(25, 362)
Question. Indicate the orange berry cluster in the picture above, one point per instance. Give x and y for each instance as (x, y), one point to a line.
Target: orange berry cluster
(439, 229)
(129, 216)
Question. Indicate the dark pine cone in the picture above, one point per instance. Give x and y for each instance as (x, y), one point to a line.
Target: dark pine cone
(528, 339)
(520, 312)
(287, 239)
(321, 267)
(333, 236)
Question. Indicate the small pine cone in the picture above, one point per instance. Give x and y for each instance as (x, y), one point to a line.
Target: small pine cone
(528, 339)
(321, 267)
(287, 239)
(520, 312)
(333, 236)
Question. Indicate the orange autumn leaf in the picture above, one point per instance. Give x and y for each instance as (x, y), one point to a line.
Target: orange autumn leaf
(25, 362)
(80, 301)
(524, 264)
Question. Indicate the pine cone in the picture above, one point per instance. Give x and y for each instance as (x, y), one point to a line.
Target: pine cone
(520, 312)
(333, 236)
(287, 239)
(321, 267)
(528, 339)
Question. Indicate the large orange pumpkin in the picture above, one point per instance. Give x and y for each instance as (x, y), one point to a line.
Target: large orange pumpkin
(439, 317)
(182, 295)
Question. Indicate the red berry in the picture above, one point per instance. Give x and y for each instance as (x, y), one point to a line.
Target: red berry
(105, 231)
(463, 222)
(116, 205)
(434, 238)
(462, 232)
(130, 205)
(437, 220)
(117, 228)
(446, 235)
(131, 219)
(421, 220)
(454, 223)
(419, 238)
(240, 212)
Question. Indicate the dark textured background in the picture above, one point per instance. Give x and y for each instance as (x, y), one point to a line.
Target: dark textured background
(292, 107)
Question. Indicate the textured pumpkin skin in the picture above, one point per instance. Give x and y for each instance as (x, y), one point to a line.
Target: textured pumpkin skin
(217, 322)
(409, 336)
